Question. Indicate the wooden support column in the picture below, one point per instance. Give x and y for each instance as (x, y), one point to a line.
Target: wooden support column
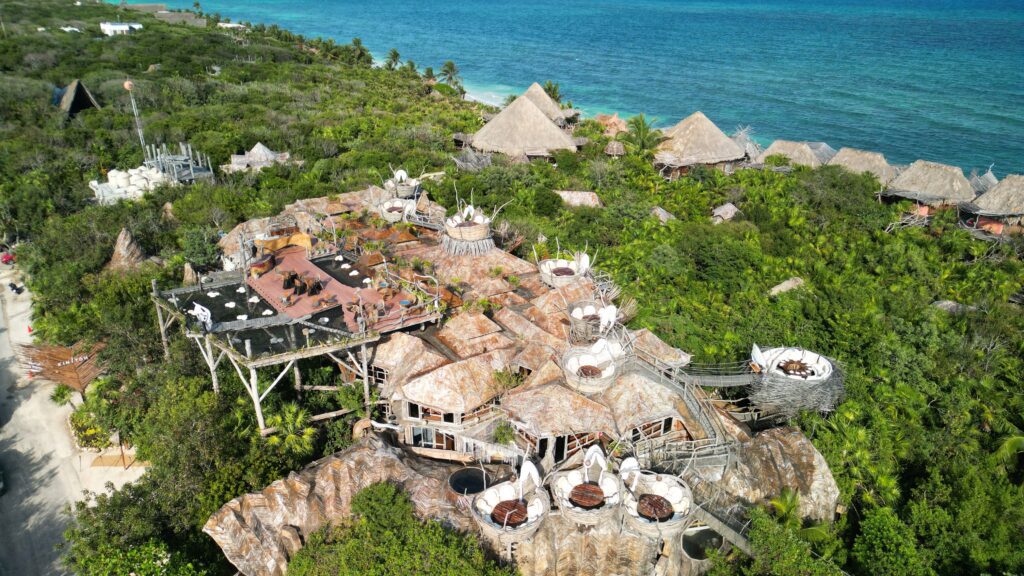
(366, 379)
(254, 389)
(254, 392)
(213, 365)
(160, 322)
(298, 379)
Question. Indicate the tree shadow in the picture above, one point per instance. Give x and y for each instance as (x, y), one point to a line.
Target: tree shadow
(32, 518)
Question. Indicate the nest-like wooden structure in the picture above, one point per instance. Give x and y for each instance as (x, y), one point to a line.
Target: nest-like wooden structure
(507, 536)
(606, 514)
(650, 483)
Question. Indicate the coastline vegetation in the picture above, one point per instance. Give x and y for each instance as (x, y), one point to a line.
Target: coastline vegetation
(926, 448)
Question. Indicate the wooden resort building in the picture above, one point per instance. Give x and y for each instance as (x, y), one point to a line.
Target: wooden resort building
(522, 130)
(256, 159)
(931, 185)
(544, 376)
(811, 154)
(696, 141)
(999, 212)
(860, 161)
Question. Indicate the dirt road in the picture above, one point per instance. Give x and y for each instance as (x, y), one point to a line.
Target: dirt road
(43, 471)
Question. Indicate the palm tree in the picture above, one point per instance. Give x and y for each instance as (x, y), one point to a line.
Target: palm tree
(292, 433)
(1011, 444)
(553, 90)
(642, 137)
(450, 75)
(62, 395)
(429, 73)
(410, 67)
(393, 59)
(787, 512)
(360, 53)
(787, 507)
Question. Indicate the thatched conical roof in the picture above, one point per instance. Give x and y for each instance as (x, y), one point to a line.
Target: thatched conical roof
(696, 140)
(615, 148)
(811, 154)
(546, 103)
(261, 152)
(1004, 199)
(859, 161)
(932, 183)
(522, 129)
(76, 98)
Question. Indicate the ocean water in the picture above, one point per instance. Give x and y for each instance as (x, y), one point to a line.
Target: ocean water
(941, 80)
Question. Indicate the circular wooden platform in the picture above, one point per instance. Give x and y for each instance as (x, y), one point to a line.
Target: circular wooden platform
(654, 507)
(587, 496)
(510, 513)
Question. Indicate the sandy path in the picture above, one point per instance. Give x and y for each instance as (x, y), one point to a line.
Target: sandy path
(43, 471)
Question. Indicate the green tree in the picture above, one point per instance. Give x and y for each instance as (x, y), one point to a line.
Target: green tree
(386, 539)
(292, 433)
(360, 53)
(148, 559)
(393, 60)
(428, 74)
(553, 90)
(642, 137)
(450, 75)
(62, 395)
(199, 247)
(886, 546)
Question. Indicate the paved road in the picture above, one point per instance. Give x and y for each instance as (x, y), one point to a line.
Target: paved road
(43, 471)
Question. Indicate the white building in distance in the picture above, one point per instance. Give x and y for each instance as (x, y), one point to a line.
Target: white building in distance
(118, 28)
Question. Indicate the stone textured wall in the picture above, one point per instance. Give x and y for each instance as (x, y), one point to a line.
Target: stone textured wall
(783, 458)
(259, 532)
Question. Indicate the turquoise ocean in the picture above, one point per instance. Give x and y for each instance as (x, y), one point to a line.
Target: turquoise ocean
(941, 80)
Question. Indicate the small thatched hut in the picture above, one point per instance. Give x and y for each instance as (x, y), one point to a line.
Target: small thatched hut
(859, 161)
(522, 129)
(812, 154)
(1000, 210)
(932, 183)
(696, 140)
(615, 149)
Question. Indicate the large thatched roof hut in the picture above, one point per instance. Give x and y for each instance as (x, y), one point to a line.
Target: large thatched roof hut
(547, 104)
(1004, 201)
(859, 161)
(932, 183)
(812, 154)
(522, 129)
(696, 140)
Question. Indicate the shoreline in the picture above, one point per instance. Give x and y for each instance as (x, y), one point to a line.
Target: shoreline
(896, 152)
